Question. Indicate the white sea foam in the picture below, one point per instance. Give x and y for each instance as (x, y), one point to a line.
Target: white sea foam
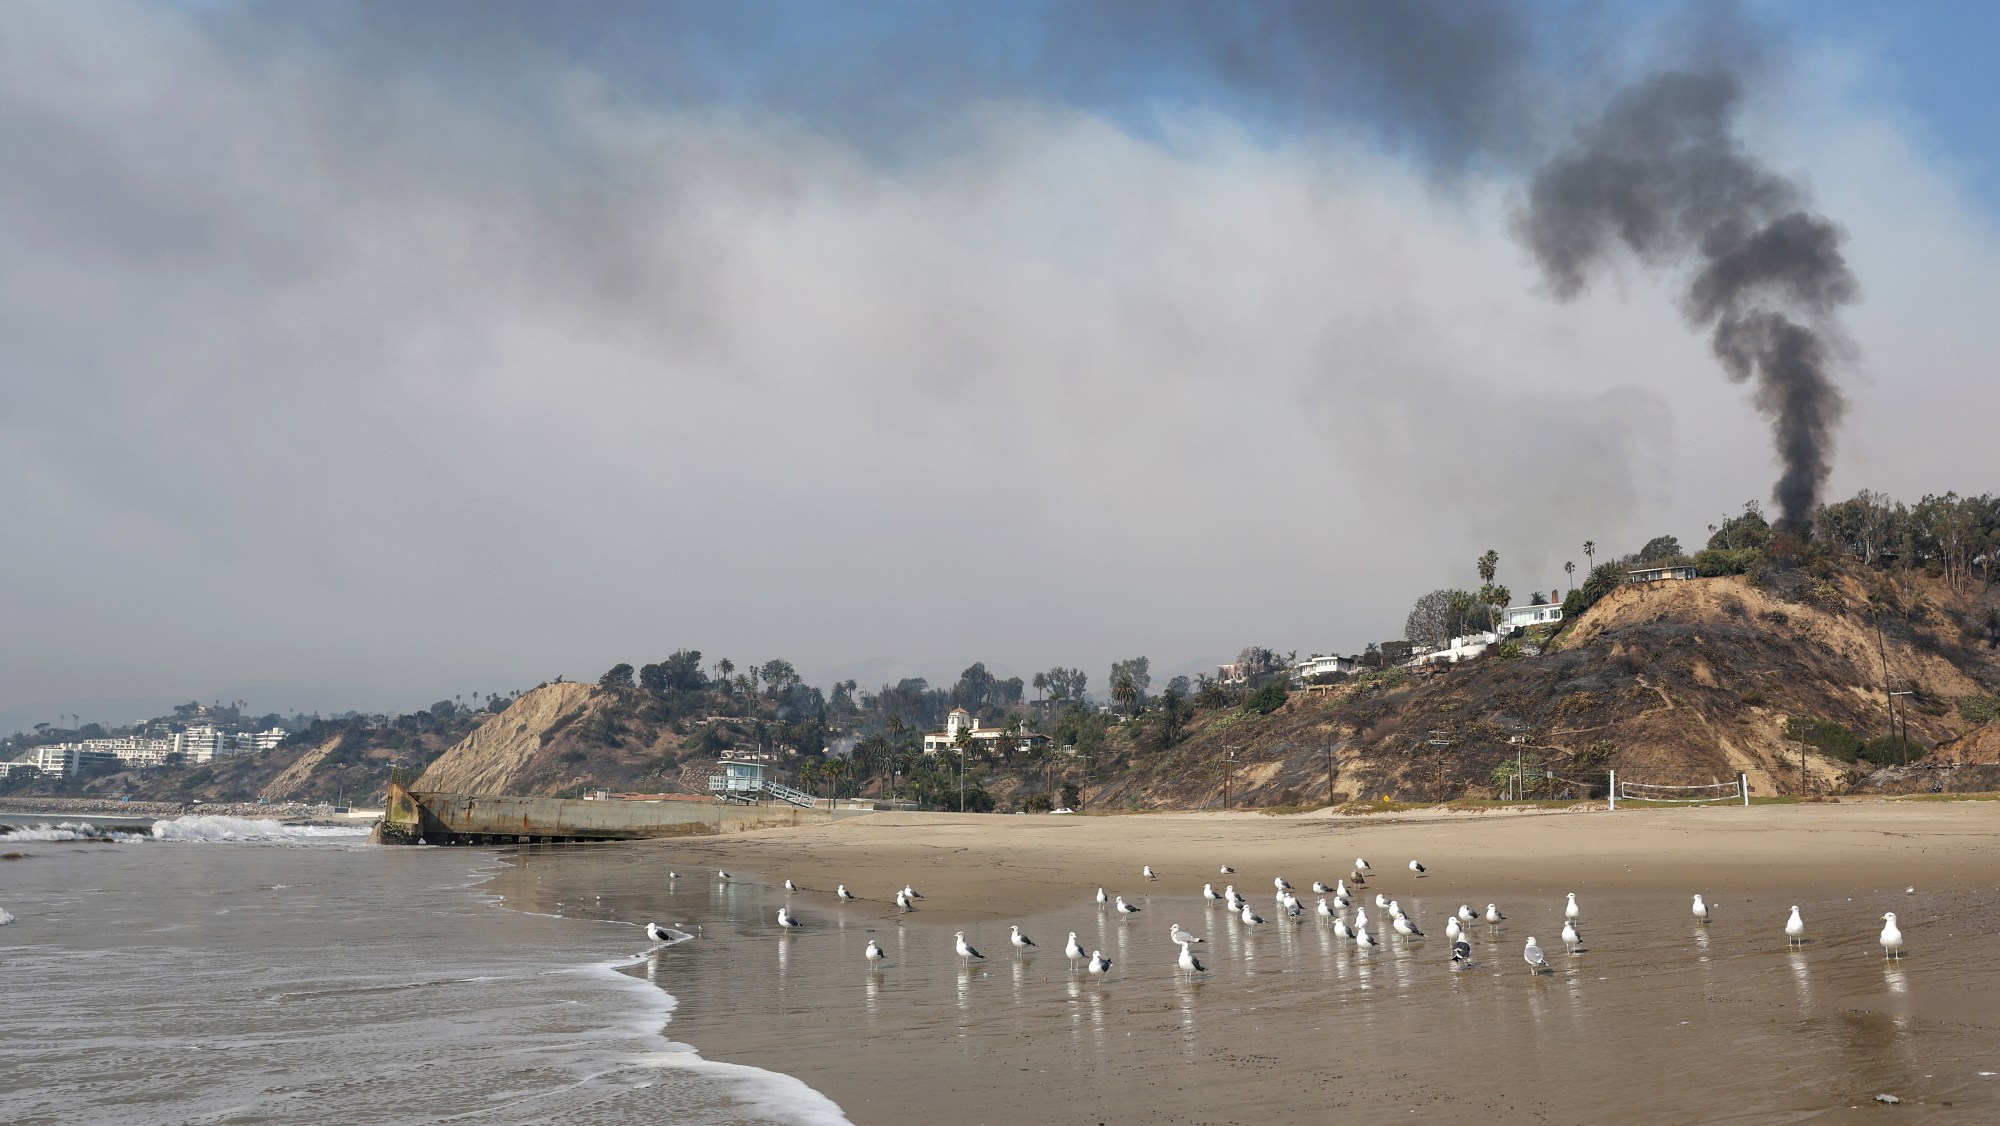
(202, 828)
(66, 831)
(5, 918)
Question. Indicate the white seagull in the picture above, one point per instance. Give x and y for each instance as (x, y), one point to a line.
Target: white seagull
(874, 952)
(1340, 888)
(1125, 908)
(1074, 950)
(1180, 935)
(1395, 909)
(1250, 916)
(966, 951)
(673, 875)
(1381, 901)
(1570, 938)
(1361, 865)
(1364, 940)
(1020, 941)
(1230, 897)
(1101, 897)
(843, 893)
(1098, 963)
(1795, 927)
(1451, 928)
(1537, 961)
(1466, 914)
(1416, 867)
(911, 892)
(1700, 911)
(1340, 928)
(1281, 883)
(1208, 892)
(1320, 888)
(721, 875)
(1493, 915)
(658, 933)
(903, 901)
(1342, 901)
(1892, 937)
(1323, 910)
(1227, 870)
(789, 885)
(785, 917)
(1361, 920)
(1146, 870)
(1407, 928)
(1190, 962)
(1571, 911)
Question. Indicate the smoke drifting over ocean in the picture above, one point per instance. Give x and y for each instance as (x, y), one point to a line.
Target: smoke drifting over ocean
(1661, 175)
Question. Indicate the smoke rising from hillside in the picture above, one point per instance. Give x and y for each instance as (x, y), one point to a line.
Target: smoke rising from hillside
(1662, 175)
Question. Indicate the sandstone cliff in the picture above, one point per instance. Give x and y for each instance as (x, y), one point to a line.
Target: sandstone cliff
(498, 758)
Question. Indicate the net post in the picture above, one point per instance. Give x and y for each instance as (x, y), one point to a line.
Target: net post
(1614, 791)
(1743, 784)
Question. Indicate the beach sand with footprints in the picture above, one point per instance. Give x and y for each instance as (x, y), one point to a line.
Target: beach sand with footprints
(1656, 1017)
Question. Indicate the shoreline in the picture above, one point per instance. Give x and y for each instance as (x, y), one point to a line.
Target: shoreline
(915, 1061)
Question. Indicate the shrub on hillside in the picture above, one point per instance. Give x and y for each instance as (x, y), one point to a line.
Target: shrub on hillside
(1979, 709)
(1267, 699)
(1884, 750)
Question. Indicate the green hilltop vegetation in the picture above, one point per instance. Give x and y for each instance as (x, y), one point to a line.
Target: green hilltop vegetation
(1772, 664)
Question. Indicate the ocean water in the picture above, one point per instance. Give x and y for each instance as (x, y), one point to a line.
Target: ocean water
(217, 970)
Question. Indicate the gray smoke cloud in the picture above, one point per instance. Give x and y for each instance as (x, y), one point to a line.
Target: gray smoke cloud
(1662, 175)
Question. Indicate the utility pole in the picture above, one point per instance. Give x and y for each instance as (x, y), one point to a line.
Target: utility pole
(1902, 738)
(1883, 645)
(1228, 775)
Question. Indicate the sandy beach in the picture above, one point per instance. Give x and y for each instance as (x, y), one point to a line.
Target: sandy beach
(1653, 1019)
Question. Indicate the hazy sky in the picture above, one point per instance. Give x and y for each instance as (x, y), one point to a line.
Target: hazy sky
(358, 355)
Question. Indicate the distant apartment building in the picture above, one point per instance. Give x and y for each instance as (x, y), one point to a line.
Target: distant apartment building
(59, 760)
(959, 720)
(204, 742)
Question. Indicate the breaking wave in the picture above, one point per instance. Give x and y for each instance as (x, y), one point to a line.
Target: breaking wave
(204, 829)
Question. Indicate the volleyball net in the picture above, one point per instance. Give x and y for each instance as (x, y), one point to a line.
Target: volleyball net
(1734, 791)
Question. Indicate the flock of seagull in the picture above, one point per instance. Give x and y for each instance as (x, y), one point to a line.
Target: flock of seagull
(1288, 905)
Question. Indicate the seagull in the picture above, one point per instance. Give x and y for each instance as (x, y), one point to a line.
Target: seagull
(1407, 928)
(903, 901)
(1324, 911)
(1461, 952)
(965, 951)
(1190, 962)
(1234, 900)
(1416, 867)
(1098, 962)
(1101, 897)
(1451, 928)
(911, 892)
(1227, 870)
(1208, 892)
(721, 875)
(1357, 878)
(1180, 935)
(1340, 928)
(843, 893)
(1340, 888)
(1292, 907)
(1537, 961)
(1250, 916)
(1795, 927)
(1570, 938)
(1281, 883)
(1125, 908)
(790, 886)
(1892, 938)
(1361, 865)
(1571, 911)
(1381, 901)
(1020, 941)
(1364, 940)
(1395, 909)
(874, 952)
(785, 917)
(1146, 870)
(1700, 911)
(1493, 915)
(1074, 950)
(658, 933)
(1361, 920)
(673, 875)
(1466, 915)
(1320, 888)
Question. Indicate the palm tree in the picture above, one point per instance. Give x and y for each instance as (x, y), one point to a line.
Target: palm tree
(1489, 565)
(1569, 569)
(1125, 692)
(963, 742)
(1041, 683)
(1590, 551)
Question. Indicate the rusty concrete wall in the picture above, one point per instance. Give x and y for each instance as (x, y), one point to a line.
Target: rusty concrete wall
(410, 816)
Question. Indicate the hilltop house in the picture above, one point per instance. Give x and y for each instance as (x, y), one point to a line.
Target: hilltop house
(1461, 649)
(1655, 574)
(1316, 665)
(958, 719)
(1538, 614)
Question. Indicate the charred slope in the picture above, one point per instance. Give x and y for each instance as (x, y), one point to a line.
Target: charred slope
(1676, 683)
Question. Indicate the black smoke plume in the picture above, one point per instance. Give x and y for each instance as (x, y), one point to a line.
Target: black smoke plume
(1661, 176)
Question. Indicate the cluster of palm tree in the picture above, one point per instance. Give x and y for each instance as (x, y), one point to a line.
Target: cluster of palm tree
(833, 772)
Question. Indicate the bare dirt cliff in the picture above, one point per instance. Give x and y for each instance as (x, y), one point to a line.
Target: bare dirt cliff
(506, 753)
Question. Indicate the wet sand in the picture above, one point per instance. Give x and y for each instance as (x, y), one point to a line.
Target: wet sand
(1655, 1019)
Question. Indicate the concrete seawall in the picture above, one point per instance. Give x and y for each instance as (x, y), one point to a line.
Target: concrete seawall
(432, 818)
